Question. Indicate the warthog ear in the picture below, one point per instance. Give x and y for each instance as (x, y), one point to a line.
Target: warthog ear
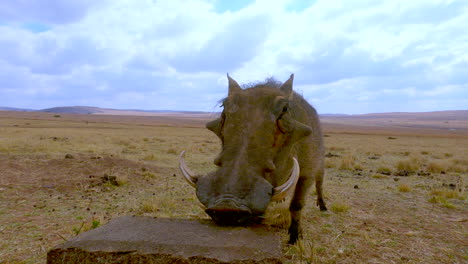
(233, 86)
(287, 86)
(215, 126)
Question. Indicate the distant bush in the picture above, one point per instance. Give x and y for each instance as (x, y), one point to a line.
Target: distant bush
(409, 166)
(436, 167)
(348, 163)
(446, 193)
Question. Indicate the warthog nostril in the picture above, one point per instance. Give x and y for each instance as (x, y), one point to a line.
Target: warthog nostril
(230, 216)
(229, 211)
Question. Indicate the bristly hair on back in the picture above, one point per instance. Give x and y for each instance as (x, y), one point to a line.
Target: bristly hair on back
(268, 82)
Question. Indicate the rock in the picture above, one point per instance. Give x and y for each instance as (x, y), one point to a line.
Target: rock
(69, 156)
(110, 179)
(131, 239)
(332, 155)
(402, 173)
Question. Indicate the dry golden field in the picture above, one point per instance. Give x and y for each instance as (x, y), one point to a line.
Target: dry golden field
(394, 186)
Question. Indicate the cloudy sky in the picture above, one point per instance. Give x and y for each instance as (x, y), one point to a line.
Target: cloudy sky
(347, 56)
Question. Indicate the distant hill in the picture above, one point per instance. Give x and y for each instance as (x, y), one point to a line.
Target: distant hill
(446, 120)
(4, 108)
(73, 110)
(90, 110)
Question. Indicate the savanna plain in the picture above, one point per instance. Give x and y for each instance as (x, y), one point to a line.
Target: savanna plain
(394, 184)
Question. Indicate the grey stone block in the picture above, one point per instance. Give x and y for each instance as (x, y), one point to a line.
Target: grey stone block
(131, 239)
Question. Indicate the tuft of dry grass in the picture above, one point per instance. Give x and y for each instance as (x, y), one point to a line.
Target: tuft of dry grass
(446, 193)
(330, 163)
(442, 201)
(340, 207)
(458, 165)
(348, 162)
(306, 251)
(379, 176)
(404, 188)
(409, 165)
(437, 166)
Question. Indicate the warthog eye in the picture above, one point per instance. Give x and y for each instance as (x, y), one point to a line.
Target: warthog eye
(283, 111)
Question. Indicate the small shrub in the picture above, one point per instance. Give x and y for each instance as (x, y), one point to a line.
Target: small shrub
(445, 193)
(458, 165)
(379, 176)
(95, 224)
(86, 226)
(57, 116)
(148, 175)
(409, 166)
(442, 201)
(148, 207)
(436, 167)
(424, 152)
(122, 180)
(339, 207)
(172, 151)
(348, 163)
(329, 163)
(404, 188)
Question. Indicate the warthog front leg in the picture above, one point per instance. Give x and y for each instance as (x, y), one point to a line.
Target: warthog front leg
(318, 187)
(298, 201)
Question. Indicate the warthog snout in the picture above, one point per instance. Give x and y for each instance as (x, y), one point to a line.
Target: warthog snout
(230, 211)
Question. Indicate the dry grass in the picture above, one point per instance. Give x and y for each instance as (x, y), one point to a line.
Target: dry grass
(409, 165)
(339, 207)
(404, 188)
(375, 215)
(347, 163)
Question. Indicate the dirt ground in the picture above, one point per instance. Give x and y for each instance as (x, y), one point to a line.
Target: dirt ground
(395, 195)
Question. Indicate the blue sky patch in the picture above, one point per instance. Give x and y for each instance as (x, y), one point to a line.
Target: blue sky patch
(233, 6)
(36, 27)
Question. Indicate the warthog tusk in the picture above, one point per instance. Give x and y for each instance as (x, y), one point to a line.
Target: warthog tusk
(188, 174)
(280, 192)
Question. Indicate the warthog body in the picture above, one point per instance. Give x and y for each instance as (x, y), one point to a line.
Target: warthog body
(271, 142)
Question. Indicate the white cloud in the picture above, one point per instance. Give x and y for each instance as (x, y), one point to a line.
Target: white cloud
(175, 54)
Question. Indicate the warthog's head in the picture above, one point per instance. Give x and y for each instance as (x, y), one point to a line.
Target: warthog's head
(256, 164)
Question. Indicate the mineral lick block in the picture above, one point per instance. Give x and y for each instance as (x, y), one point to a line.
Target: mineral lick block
(138, 239)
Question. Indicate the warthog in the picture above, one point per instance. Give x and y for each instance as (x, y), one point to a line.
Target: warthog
(271, 143)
